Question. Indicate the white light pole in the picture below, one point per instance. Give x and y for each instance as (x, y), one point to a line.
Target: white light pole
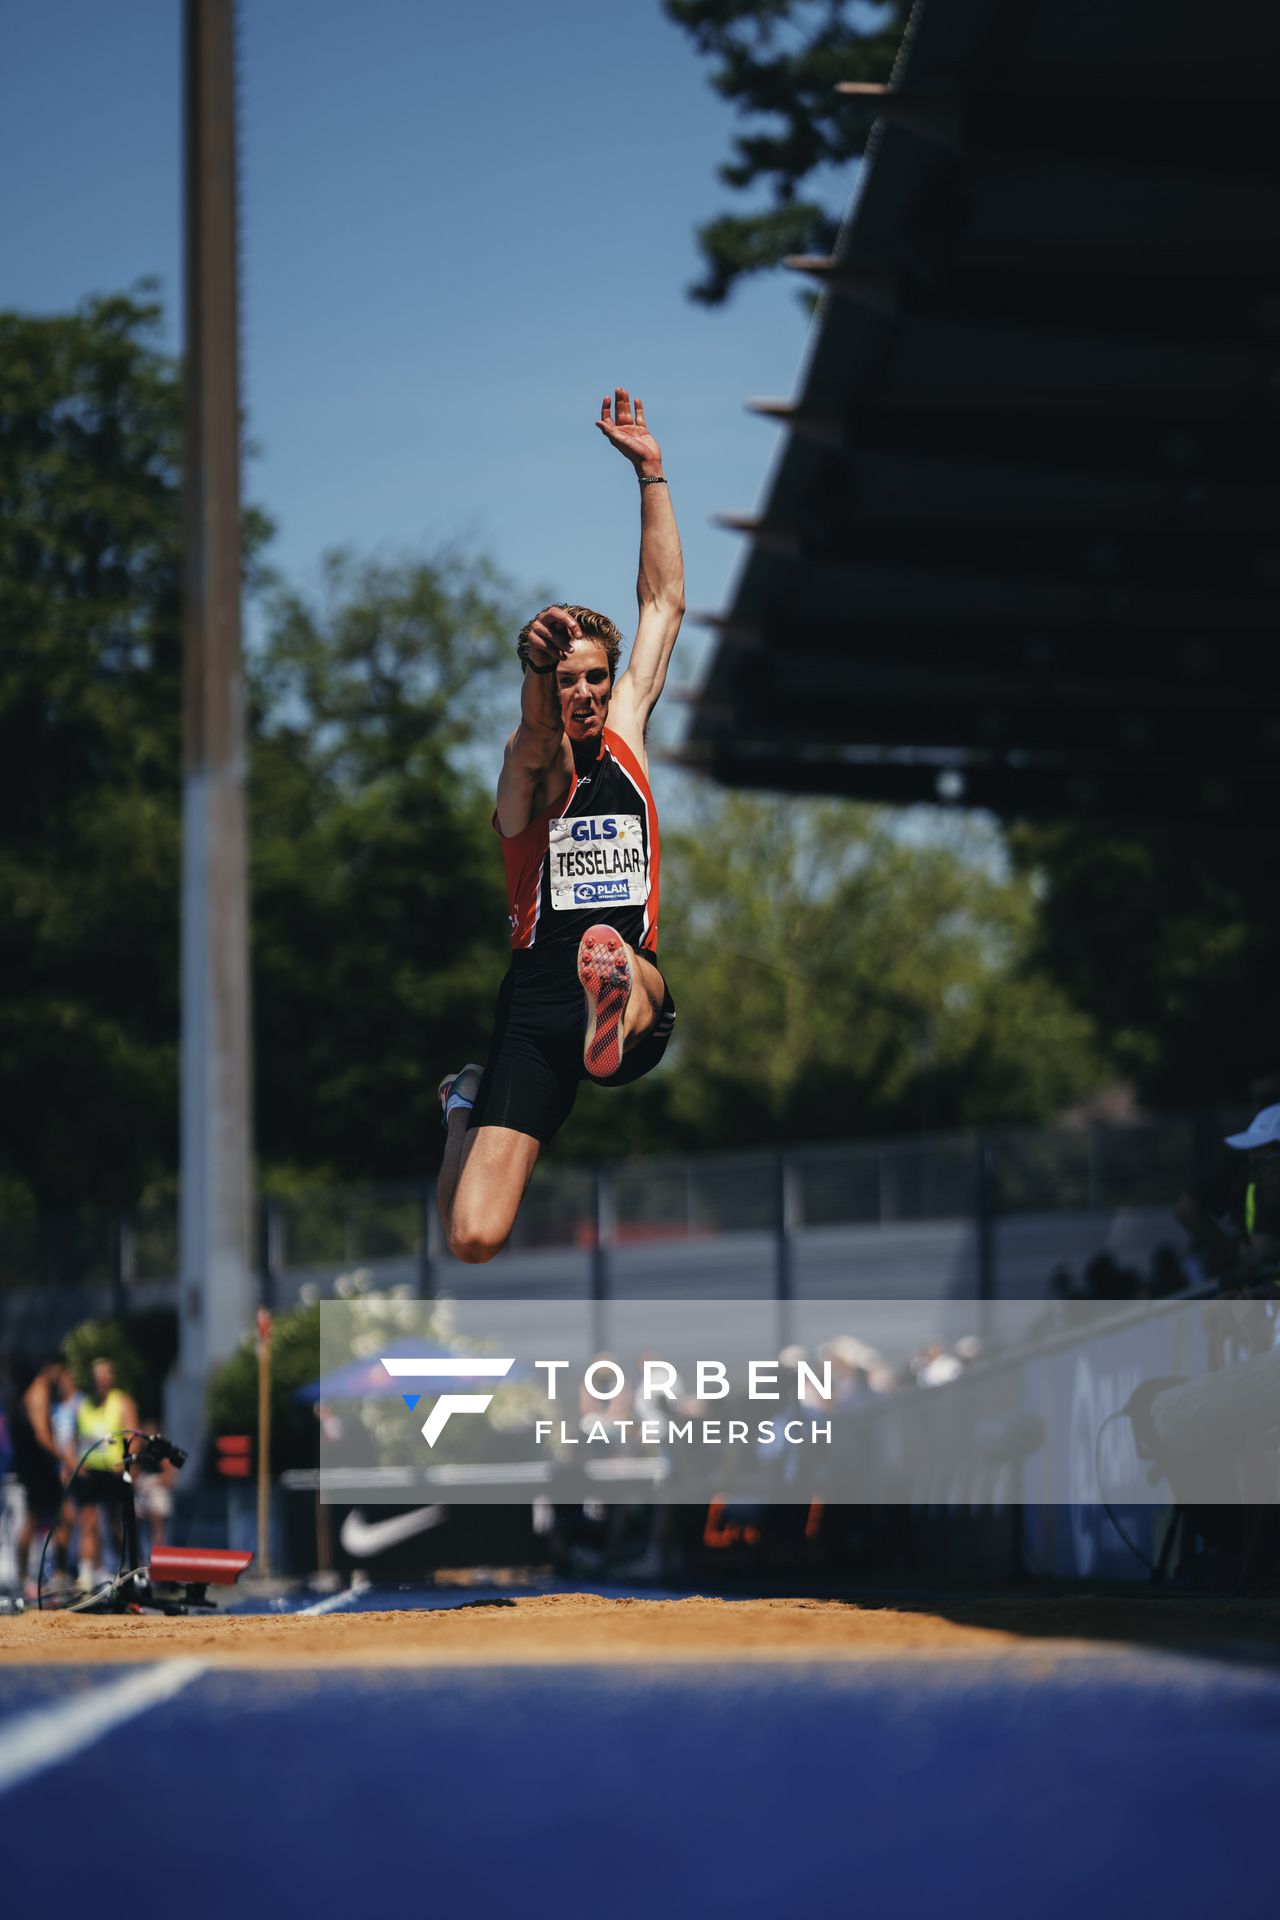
(216, 1291)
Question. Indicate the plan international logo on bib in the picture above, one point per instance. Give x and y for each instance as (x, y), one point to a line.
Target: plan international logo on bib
(596, 858)
(589, 892)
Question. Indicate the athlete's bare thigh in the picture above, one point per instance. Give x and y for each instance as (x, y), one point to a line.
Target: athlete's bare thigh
(646, 1000)
(497, 1167)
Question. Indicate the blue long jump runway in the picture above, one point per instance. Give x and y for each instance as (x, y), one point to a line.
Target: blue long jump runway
(1122, 1780)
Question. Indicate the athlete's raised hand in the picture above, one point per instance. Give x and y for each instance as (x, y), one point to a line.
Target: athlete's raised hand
(622, 424)
(548, 637)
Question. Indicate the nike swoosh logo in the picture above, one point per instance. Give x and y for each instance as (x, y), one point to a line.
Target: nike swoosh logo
(360, 1537)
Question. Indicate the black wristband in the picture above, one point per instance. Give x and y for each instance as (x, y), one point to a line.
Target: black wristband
(529, 667)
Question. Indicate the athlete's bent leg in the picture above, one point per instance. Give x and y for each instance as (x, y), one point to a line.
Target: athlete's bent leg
(490, 1169)
(457, 1097)
(646, 1003)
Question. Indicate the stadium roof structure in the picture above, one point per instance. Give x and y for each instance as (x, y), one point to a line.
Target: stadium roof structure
(1021, 547)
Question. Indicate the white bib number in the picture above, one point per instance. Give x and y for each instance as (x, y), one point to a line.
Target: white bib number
(597, 860)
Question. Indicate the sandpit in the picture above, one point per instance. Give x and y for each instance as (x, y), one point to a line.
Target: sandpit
(573, 1629)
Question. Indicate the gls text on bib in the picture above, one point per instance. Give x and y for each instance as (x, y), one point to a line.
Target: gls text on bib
(597, 860)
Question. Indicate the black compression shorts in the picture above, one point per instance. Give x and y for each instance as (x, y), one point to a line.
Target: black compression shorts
(535, 1058)
(98, 1487)
(37, 1470)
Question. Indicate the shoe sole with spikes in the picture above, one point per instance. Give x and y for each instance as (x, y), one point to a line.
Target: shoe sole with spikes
(605, 970)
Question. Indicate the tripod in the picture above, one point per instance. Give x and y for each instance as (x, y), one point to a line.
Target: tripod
(176, 1579)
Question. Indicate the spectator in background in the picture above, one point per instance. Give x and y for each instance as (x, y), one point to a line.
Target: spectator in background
(63, 1421)
(1212, 1211)
(40, 1467)
(104, 1411)
(838, 1524)
(153, 1497)
(1165, 1275)
(797, 1400)
(935, 1367)
(1212, 1215)
(852, 1364)
(1259, 1148)
(12, 1505)
(6, 1391)
(659, 1407)
(1105, 1279)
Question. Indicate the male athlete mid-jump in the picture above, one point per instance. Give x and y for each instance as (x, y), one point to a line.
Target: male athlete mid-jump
(579, 833)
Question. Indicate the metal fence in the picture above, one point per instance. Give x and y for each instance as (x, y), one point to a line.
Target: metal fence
(979, 1177)
(952, 1176)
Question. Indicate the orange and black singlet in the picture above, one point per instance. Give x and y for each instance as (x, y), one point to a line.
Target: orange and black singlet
(592, 857)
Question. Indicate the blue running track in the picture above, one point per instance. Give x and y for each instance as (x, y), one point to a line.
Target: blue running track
(1108, 1784)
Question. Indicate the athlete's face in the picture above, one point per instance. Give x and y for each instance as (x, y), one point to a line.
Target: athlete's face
(582, 676)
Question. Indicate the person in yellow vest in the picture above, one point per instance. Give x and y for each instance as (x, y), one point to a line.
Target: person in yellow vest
(99, 1487)
(1261, 1142)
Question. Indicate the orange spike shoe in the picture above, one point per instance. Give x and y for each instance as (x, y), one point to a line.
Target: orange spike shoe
(604, 968)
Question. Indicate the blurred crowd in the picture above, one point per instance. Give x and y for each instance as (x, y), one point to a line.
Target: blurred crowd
(63, 1463)
(1231, 1218)
(63, 1460)
(646, 1543)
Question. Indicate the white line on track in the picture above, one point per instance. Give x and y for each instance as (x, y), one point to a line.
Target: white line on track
(331, 1602)
(53, 1734)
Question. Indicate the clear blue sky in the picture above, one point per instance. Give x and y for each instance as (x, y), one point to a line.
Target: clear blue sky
(459, 227)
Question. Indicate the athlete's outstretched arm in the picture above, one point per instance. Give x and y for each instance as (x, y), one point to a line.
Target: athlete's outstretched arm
(660, 584)
(537, 754)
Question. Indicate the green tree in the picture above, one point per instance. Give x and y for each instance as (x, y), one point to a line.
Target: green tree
(377, 896)
(778, 62)
(295, 1363)
(90, 706)
(1168, 940)
(379, 917)
(835, 976)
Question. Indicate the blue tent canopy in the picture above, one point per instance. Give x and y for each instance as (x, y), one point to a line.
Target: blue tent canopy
(366, 1379)
(369, 1379)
